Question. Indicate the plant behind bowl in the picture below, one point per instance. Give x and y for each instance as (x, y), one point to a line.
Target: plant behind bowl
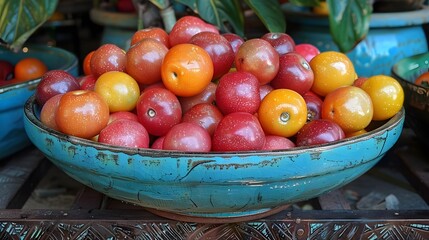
(21, 18)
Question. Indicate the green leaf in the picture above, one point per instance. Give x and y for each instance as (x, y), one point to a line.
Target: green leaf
(161, 4)
(222, 13)
(305, 3)
(349, 22)
(270, 13)
(21, 18)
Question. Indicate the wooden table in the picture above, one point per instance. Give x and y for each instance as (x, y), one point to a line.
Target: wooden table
(403, 173)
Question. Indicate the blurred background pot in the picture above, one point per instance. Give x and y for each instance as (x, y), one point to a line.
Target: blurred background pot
(416, 102)
(391, 37)
(12, 97)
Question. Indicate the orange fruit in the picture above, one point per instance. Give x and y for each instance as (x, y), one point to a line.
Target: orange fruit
(282, 112)
(186, 70)
(29, 68)
(86, 63)
(350, 107)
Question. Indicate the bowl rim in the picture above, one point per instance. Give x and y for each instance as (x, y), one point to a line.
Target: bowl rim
(415, 66)
(31, 106)
(71, 64)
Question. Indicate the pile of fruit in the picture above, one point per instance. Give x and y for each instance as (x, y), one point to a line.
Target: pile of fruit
(196, 89)
(25, 69)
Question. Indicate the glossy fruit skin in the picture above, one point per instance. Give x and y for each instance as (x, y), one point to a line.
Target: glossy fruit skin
(273, 142)
(331, 70)
(29, 68)
(294, 73)
(158, 110)
(282, 42)
(314, 105)
(125, 133)
(235, 40)
(82, 113)
(119, 90)
(187, 137)
(6, 70)
(219, 49)
(86, 82)
(48, 112)
(208, 95)
(156, 33)
(107, 57)
(238, 92)
(319, 131)
(307, 50)
(55, 82)
(123, 115)
(86, 66)
(188, 26)
(187, 69)
(158, 143)
(144, 61)
(238, 131)
(205, 115)
(423, 79)
(350, 107)
(386, 94)
(264, 90)
(258, 57)
(282, 112)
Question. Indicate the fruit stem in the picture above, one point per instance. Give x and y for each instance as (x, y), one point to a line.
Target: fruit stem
(168, 18)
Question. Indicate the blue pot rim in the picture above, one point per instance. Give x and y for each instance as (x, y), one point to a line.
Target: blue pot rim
(378, 20)
(69, 65)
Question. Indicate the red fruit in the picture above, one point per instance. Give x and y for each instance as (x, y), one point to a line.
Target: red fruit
(186, 27)
(55, 82)
(273, 142)
(319, 131)
(308, 51)
(239, 131)
(144, 60)
(187, 137)
(294, 73)
(282, 42)
(206, 115)
(238, 92)
(258, 57)
(158, 110)
(219, 49)
(125, 133)
(107, 57)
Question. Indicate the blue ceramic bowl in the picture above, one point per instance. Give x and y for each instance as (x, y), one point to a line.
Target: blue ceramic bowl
(12, 97)
(212, 187)
(416, 101)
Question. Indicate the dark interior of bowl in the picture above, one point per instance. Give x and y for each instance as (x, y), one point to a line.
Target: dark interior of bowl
(416, 97)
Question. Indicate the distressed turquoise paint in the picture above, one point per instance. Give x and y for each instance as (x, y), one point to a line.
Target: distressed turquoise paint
(213, 184)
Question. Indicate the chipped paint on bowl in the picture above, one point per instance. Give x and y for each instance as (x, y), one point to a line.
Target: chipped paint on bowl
(212, 187)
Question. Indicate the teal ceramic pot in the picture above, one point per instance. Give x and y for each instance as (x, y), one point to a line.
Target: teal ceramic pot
(391, 37)
(12, 97)
(118, 27)
(212, 187)
(416, 97)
